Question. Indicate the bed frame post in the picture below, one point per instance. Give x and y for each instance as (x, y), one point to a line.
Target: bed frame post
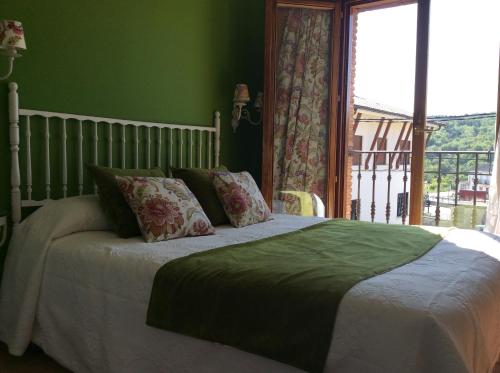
(15, 175)
(217, 138)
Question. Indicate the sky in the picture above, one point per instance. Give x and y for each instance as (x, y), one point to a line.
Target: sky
(463, 56)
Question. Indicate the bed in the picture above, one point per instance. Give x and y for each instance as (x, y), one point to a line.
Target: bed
(85, 293)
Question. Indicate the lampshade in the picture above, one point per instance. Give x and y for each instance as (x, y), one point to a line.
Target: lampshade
(11, 35)
(241, 94)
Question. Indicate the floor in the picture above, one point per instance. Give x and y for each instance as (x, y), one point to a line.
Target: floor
(33, 361)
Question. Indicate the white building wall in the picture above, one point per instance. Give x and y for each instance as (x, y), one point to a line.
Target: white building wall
(365, 195)
(368, 131)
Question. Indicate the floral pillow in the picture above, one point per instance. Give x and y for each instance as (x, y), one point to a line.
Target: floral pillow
(241, 198)
(164, 208)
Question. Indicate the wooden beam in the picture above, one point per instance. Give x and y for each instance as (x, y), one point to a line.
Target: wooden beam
(420, 113)
(384, 140)
(387, 128)
(343, 187)
(374, 143)
(400, 137)
(407, 137)
(356, 124)
(334, 147)
(269, 101)
(308, 4)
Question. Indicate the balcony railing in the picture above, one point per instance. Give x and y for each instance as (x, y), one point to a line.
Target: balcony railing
(456, 185)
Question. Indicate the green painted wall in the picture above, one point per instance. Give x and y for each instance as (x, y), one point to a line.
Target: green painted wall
(151, 60)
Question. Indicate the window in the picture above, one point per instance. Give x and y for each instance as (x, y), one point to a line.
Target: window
(357, 145)
(402, 197)
(381, 159)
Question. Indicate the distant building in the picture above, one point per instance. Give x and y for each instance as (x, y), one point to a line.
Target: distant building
(466, 188)
(380, 128)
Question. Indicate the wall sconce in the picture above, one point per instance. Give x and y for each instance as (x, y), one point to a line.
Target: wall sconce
(240, 101)
(11, 40)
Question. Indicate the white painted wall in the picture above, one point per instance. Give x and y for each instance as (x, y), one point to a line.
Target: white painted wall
(368, 131)
(380, 194)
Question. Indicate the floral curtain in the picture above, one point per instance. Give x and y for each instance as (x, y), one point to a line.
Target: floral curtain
(301, 116)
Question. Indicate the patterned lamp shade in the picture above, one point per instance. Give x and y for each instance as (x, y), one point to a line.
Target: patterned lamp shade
(241, 94)
(11, 35)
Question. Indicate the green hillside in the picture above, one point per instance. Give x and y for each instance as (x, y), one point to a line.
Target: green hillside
(467, 134)
(464, 134)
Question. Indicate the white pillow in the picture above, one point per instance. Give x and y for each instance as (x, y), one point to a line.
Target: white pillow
(69, 215)
(26, 260)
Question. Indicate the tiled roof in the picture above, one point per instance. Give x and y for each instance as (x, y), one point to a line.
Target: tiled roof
(363, 103)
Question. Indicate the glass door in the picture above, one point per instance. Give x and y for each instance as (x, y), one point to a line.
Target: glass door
(462, 102)
(380, 112)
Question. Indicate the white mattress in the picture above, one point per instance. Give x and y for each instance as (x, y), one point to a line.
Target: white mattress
(440, 313)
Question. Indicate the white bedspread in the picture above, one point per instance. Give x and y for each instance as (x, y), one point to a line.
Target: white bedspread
(83, 298)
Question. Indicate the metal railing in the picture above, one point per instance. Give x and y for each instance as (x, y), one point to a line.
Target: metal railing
(455, 180)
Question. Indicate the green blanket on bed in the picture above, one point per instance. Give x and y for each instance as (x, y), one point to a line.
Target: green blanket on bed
(278, 296)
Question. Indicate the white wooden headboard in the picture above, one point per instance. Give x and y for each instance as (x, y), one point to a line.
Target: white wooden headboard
(195, 146)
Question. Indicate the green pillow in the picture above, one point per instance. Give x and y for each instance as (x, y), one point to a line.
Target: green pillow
(198, 181)
(112, 201)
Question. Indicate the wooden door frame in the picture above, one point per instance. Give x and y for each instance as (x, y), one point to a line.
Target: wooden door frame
(353, 6)
(270, 54)
(270, 60)
(419, 114)
(337, 184)
(361, 5)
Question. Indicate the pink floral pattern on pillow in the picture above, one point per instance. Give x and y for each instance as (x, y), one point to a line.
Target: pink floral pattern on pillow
(165, 208)
(241, 198)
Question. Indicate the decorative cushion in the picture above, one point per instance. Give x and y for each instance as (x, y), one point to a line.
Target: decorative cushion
(240, 197)
(198, 181)
(164, 208)
(112, 201)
